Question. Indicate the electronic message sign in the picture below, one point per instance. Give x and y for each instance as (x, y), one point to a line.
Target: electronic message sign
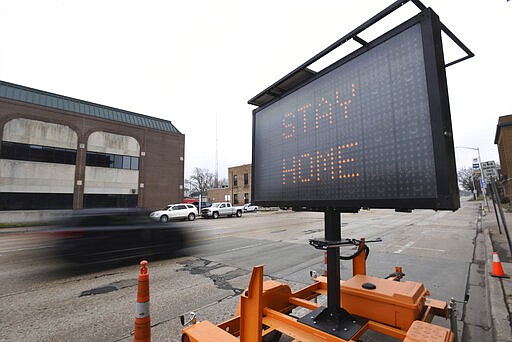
(373, 130)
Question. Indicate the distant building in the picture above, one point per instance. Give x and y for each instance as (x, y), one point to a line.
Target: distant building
(219, 195)
(504, 141)
(238, 191)
(58, 152)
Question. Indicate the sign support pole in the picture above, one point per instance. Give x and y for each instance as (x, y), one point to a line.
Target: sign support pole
(333, 233)
(497, 196)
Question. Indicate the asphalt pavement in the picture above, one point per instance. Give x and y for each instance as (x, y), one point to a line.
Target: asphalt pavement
(487, 314)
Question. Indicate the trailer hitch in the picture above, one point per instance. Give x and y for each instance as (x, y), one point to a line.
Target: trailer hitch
(325, 244)
(192, 319)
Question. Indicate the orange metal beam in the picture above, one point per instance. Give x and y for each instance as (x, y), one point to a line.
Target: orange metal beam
(206, 331)
(251, 308)
(232, 326)
(387, 330)
(291, 327)
(304, 303)
(359, 262)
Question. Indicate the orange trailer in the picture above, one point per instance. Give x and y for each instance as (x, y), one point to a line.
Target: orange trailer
(402, 310)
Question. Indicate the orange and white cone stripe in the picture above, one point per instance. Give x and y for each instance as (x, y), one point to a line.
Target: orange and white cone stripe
(142, 331)
(497, 269)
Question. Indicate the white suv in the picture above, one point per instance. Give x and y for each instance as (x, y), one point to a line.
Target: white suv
(175, 212)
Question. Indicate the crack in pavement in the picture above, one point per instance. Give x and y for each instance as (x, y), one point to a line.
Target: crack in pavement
(220, 274)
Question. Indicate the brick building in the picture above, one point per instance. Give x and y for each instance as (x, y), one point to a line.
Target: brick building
(240, 184)
(238, 191)
(59, 152)
(504, 141)
(219, 195)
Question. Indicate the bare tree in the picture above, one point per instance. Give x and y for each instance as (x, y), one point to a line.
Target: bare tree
(223, 182)
(469, 180)
(201, 180)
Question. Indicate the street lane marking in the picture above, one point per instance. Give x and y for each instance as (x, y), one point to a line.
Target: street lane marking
(409, 244)
(245, 247)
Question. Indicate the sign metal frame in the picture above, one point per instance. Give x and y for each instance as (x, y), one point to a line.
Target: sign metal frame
(447, 195)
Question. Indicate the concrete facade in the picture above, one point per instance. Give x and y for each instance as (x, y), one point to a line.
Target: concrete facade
(156, 181)
(504, 141)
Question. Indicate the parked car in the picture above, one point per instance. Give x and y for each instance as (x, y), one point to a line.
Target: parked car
(221, 209)
(180, 211)
(250, 207)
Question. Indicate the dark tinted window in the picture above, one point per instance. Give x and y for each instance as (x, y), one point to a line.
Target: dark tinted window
(110, 201)
(110, 160)
(39, 153)
(35, 201)
(134, 165)
(126, 162)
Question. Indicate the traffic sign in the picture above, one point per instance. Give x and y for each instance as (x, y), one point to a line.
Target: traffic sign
(489, 170)
(476, 166)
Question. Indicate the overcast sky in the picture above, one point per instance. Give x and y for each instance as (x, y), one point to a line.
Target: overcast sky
(196, 63)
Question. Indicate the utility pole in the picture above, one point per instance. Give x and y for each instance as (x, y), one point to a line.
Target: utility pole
(216, 153)
(480, 168)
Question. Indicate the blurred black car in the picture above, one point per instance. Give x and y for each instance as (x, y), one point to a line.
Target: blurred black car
(105, 235)
(203, 205)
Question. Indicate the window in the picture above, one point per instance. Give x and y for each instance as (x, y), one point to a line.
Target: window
(109, 201)
(126, 162)
(110, 160)
(134, 164)
(246, 179)
(35, 201)
(180, 207)
(246, 198)
(39, 153)
(235, 198)
(235, 180)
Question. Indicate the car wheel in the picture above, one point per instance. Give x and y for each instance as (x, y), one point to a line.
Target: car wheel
(239, 213)
(164, 219)
(215, 215)
(191, 217)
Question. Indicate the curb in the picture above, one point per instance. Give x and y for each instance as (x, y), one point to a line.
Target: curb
(500, 319)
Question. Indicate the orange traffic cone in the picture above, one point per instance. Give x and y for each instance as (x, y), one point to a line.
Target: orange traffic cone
(497, 269)
(142, 331)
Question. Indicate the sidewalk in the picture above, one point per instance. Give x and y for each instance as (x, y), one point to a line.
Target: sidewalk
(499, 290)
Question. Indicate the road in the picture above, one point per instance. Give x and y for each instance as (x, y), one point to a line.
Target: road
(46, 300)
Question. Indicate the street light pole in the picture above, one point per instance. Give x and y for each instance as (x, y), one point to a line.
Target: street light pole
(480, 167)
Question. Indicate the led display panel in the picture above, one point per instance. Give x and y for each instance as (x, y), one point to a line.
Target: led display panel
(359, 135)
